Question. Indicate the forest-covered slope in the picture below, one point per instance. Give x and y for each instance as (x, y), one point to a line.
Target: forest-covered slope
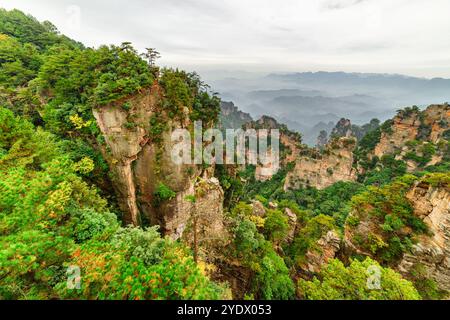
(86, 182)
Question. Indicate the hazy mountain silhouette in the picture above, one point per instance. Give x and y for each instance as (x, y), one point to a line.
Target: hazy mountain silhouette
(302, 100)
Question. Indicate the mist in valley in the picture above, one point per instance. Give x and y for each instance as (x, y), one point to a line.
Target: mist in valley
(309, 102)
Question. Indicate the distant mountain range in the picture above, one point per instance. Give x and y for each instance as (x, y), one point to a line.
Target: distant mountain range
(312, 101)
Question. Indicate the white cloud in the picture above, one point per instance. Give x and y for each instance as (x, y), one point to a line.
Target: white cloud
(396, 36)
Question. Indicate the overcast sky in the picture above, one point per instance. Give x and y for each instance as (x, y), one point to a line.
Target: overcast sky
(389, 36)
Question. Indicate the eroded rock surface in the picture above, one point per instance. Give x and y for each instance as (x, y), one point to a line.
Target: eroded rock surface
(431, 251)
(292, 222)
(426, 127)
(325, 250)
(335, 163)
(140, 161)
(432, 205)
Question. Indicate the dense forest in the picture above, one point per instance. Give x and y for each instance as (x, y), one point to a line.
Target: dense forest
(61, 204)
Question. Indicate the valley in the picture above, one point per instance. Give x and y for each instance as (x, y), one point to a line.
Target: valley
(359, 212)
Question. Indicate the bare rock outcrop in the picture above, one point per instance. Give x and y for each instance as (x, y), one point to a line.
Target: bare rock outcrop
(437, 118)
(140, 160)
(289, 147)
(403, 129)
(428, 127)
(231, 117)
(292, 222)
(258, 208)
(325, 250)
(432, 252)
(342, 129)
(333, 164)
(209, 209)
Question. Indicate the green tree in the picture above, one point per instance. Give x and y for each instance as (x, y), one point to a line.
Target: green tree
(276, 225)
(358, 281)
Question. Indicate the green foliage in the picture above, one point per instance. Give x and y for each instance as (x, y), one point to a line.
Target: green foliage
(247, 239)
(391, 209)
(408, 112)
(337, 282)
(242, 210)
(332, 201)
(157, 127)
(190, 198)
(231, 185)
(438, 179)
(271, 189)
(427, 287)
(276, 225)
(52, 215)
(426, 151)
(206, 108)
(146, 245)
(186, 90)
(307, 237)
(92, 77)
(271, 280)
(365, 146)
(27, 29)
(19, 63)
(387, 169)
(89, 224)
(163, 193)
(117, 270)
(386, 127)
(177, 92)
(50, 219)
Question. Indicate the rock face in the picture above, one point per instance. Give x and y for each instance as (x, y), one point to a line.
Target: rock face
(123, 147)
(322, 139)
(342, 129)
(258, 208)
(432, 252)
(238, 277)
(403, 129)
(335, 163)
(231, 117)
(140, 161)
(292, 222)
(437, 118)
(264, 172)
(209, 208)
(289, 147)
(325, 250)
(428, 125)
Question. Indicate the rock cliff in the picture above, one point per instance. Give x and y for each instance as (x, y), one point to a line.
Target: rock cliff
(320, 170)
(432, 205)
(325, 250)
(137, 135)
(414, 132)
(289, 146)
(231, 117)
(430, 202)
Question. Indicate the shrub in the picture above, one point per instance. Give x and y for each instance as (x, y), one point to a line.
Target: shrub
(337, 282)
(276, 225)
(163, 193)
(392, 211)
(89, 224)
